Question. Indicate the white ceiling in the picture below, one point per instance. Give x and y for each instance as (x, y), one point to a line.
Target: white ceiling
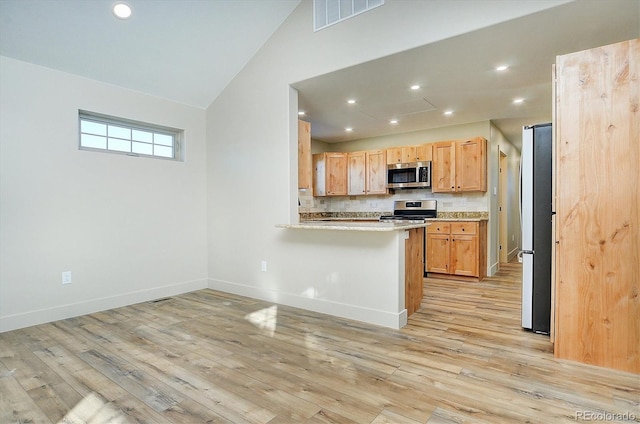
(189, 50)
(182, 50)
(459, 74)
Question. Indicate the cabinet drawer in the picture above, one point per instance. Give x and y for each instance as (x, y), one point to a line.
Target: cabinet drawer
(439, 228)
(464, 228)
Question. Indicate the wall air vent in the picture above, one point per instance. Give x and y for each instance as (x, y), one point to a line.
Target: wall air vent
(329, 12)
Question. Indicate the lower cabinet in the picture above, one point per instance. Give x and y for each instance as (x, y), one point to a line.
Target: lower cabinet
(457, 248)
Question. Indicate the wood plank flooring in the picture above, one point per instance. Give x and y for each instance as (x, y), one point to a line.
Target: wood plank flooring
(211, 357)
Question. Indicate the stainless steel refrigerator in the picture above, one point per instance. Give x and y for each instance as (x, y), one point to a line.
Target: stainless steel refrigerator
(536, 202)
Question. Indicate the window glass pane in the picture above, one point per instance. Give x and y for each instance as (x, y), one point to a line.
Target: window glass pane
(359, 6)
(345, 8)
(165, 152)
(165, 140)
(320, 8)
(93, 128)
(333, 11)
(142, 148)
(145, 136)
(119, 132)
(119, 145)
(93, 141)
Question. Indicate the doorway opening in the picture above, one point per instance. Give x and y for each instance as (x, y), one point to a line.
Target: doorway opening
(503, 236)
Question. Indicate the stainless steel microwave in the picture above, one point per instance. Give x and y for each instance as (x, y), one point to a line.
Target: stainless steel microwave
(409, 175)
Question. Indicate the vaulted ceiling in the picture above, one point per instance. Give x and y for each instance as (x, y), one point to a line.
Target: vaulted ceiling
(182, 50)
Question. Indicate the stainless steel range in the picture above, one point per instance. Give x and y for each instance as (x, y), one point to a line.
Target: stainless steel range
(412, 211)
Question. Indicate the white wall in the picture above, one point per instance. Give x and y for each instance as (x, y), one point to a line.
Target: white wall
(129, 229)
(252, 132)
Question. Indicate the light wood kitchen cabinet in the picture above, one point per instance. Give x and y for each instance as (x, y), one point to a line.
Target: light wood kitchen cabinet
(423, 152)
(304, 155)
(443, 175)
(597, 208)
(330, 174)
(367, 172)
(459, 166)
(356, 173)
(376, 172)
(408, 154)
(465, 247)
(457, 248)
(394, 155)
(438, 248)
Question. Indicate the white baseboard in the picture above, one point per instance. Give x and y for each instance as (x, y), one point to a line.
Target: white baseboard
(27, 319)
(513, 253)
(493, 269)
(342, 310)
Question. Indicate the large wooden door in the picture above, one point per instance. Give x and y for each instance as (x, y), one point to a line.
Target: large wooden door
(597, 281)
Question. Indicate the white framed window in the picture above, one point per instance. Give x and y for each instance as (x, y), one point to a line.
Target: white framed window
(117, 135)
(329, 12)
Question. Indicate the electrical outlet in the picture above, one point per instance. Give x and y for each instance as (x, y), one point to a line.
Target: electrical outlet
(513, 237)
(66, 277)
(263, 266)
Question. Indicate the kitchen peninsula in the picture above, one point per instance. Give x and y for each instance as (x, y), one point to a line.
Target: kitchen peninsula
(371, 272)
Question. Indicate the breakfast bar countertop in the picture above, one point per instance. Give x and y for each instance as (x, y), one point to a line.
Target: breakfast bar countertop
(353, 225)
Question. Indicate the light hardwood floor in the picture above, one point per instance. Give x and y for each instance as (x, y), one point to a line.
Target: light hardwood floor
(212, 357)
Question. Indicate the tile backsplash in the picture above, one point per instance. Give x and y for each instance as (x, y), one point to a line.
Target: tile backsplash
(467, 202)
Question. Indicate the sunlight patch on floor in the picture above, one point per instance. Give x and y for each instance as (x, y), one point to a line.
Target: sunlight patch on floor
(265, 319)
(94, 410)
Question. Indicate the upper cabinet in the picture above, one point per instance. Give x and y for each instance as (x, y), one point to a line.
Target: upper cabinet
(459, 166)
(304, 155)
(407, 154)
(356, 178)
(367, 172)
(330, 174)
(376, 172)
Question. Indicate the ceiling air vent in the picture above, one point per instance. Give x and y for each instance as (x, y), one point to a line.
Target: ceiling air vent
(329, 12)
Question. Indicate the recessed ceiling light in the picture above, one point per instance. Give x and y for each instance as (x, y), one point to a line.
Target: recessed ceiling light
(502, 68)
(393, 121)
(415, 87)
(348, 129)
(518, 101)
(122, 10)
(448, 112)
(301, 113)
(351, 101)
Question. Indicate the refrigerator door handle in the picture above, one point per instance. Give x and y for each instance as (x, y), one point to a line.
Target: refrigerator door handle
(526, 252)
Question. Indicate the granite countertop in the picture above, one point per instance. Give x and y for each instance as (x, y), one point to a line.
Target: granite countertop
(373, 217)
(457, 219)
(353, 225)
